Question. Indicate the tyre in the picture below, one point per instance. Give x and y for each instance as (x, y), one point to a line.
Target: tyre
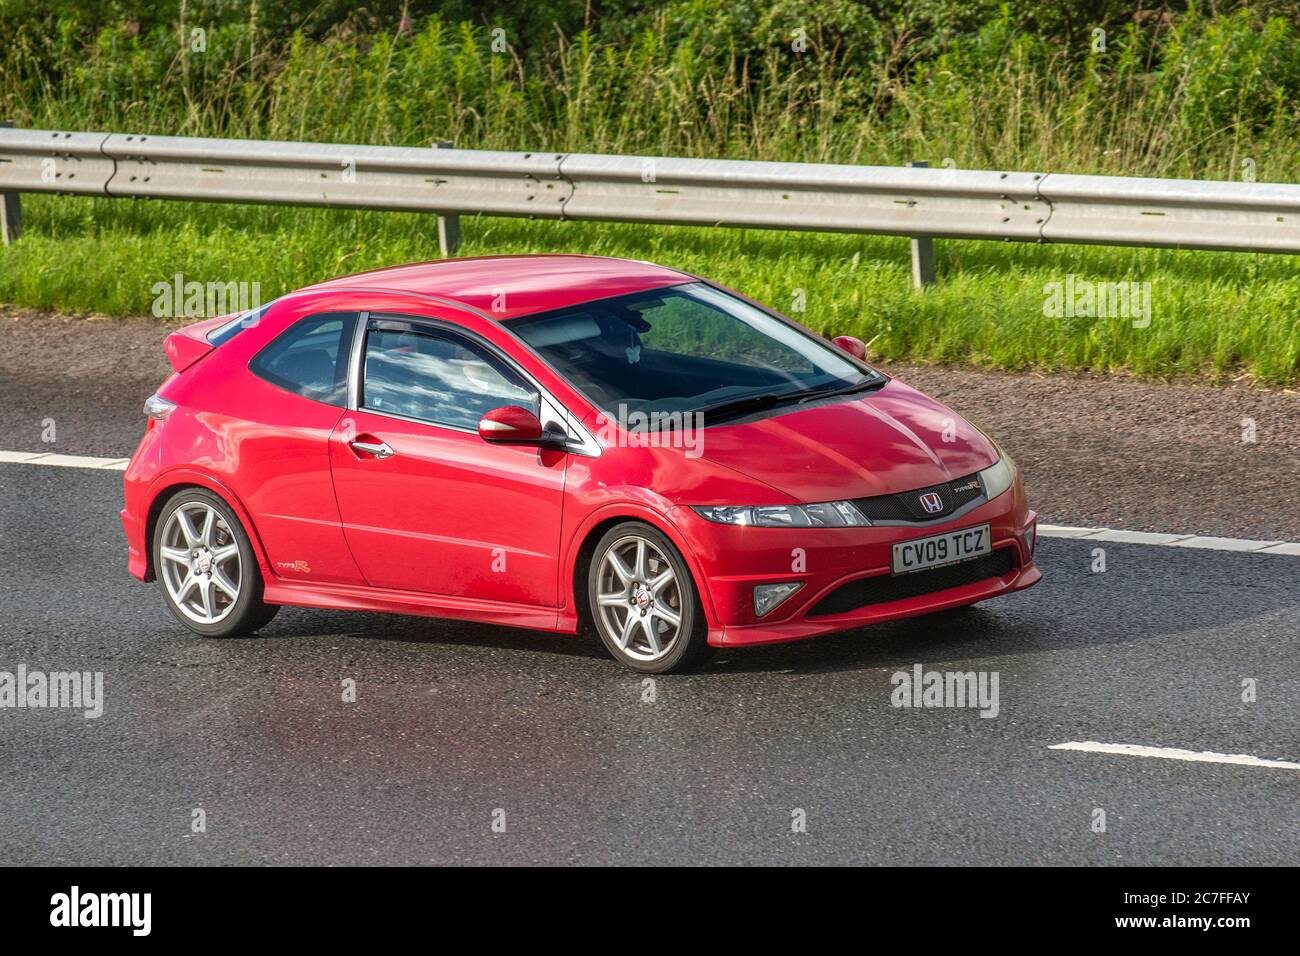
(205, 566)
(643, 601)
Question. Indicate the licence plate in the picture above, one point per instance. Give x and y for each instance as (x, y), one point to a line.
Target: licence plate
(940, 549)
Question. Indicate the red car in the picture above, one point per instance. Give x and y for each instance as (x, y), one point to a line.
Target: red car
(567, 443)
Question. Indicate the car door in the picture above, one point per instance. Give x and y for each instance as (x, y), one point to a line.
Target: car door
(279, 444)
(427, 505)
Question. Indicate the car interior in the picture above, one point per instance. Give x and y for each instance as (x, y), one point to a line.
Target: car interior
(436, 378)
(610, 353)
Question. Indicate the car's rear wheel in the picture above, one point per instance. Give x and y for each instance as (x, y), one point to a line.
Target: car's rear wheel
(644, 602)
(205, 566)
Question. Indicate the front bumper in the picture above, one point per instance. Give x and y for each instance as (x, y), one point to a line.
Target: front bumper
(735, 559)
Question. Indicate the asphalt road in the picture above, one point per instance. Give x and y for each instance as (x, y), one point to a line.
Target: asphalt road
(454, 722)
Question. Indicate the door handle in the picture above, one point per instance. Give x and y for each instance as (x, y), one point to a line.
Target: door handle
(379, 449)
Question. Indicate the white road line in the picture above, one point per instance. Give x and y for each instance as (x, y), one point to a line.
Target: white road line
(1169, 540)
(1173, 753)
(63, 461)
(1044, 530)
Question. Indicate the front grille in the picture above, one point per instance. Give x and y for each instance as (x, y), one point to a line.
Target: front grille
(889, 587)
(907, 505)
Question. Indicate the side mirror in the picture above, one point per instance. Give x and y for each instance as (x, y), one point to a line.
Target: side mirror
(851, 344)
(510, 425)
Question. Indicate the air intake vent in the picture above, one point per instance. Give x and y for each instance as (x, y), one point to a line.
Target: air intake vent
(887, 587)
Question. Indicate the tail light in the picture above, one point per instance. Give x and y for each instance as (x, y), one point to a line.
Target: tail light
(156, 409)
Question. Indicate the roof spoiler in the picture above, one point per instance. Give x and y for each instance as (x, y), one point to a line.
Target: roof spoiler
(187, 345)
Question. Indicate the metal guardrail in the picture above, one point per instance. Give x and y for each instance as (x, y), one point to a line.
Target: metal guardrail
(915, 202)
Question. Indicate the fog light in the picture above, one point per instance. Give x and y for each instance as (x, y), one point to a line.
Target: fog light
(768, 596)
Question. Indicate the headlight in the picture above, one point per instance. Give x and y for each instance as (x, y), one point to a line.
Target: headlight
(999, 477)
(830, 514)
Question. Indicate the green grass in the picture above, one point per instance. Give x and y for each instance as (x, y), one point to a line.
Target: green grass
(1211, 94)
(1195, 95)
(1214, 316)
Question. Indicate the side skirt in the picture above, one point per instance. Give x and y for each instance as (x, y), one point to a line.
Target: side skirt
(348, 597)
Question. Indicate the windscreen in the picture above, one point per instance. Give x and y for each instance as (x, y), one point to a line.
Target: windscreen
(684, 348)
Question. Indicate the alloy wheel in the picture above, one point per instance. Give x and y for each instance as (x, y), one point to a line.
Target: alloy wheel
(638, 600)
(199, 562)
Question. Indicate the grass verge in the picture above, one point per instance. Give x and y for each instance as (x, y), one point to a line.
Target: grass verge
(1213, 316)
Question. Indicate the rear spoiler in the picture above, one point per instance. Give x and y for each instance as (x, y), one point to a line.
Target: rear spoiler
(186, 346)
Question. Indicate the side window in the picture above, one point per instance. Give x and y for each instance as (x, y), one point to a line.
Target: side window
(224, 333)
(437, 377)
(310, 358)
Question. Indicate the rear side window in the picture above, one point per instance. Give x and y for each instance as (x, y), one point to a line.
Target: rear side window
(310, 358)
(224, 333)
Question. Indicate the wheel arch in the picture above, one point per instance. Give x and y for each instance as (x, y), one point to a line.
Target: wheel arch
(172, 484)
(590, 533)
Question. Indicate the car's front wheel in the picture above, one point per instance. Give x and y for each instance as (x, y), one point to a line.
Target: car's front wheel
(644, 602)
(205, 566)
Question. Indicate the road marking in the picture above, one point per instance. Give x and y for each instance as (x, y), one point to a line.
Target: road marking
(1044, 530)
(1119, 536)
(1174, 753)
(63, 461)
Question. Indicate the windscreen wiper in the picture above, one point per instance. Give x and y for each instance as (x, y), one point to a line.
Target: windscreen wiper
(738, 406)
(755, 403)
(817, 393)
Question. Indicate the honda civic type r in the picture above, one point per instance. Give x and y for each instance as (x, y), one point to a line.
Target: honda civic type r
(567, 443)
